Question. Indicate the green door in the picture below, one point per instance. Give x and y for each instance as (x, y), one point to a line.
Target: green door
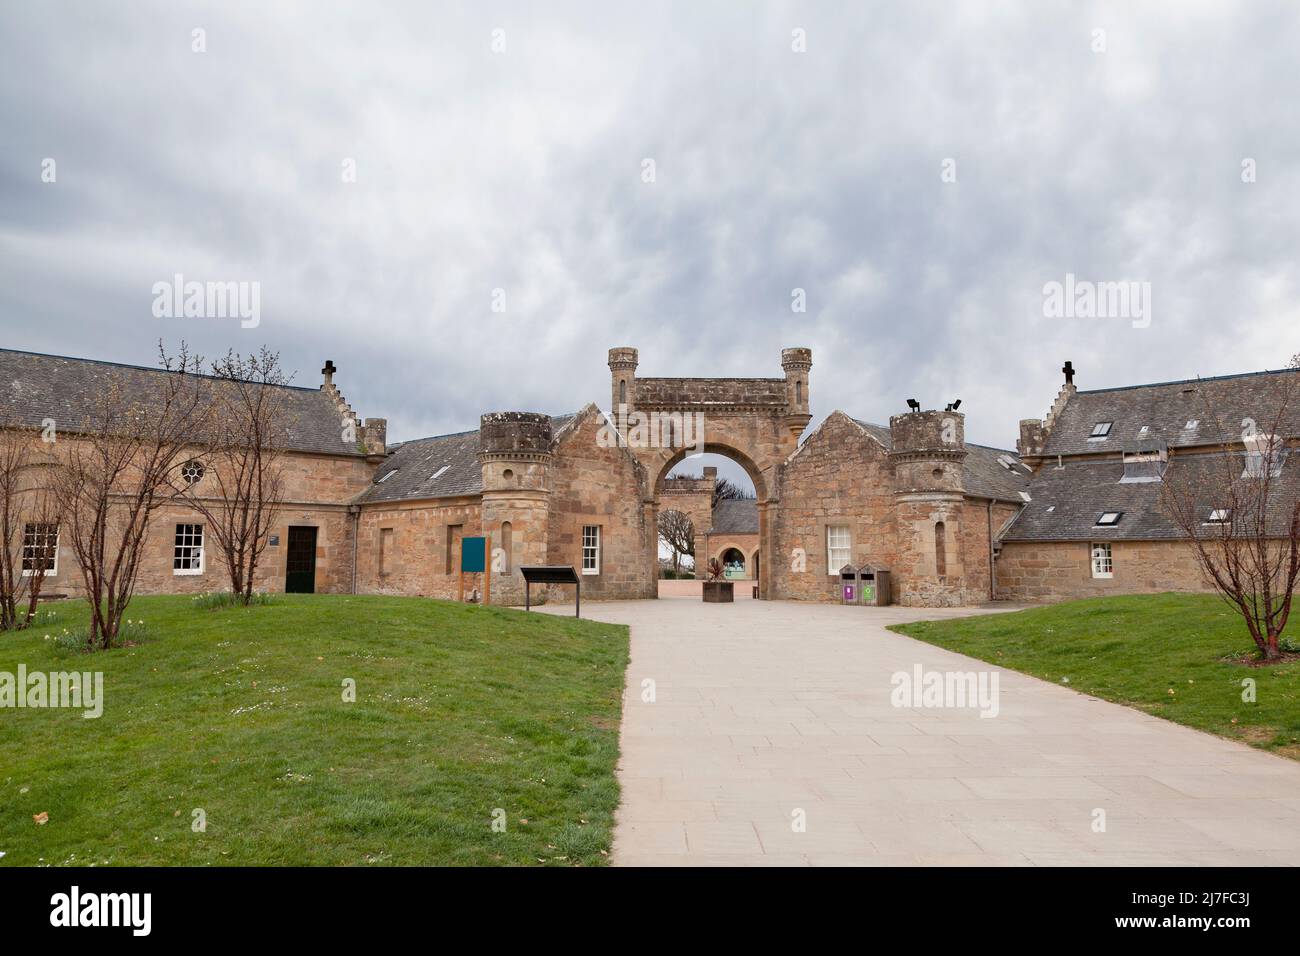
(300, 577)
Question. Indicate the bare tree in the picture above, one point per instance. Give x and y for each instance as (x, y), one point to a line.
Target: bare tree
(1240, 510)
(29, 524)
(244, 487)
(116, 469)
(726, 490)
(723, 488)
(677, 531)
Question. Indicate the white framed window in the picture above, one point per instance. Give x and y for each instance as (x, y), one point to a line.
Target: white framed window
(40, 548)
(1100, 431)
(591, 549)
(187, 553)
(839, 547)
(1219, 516)
(1103, 566)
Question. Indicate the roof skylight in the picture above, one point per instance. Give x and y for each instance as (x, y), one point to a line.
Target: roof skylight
(1100, 431)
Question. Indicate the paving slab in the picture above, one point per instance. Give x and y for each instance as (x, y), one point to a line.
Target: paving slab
(771, 739)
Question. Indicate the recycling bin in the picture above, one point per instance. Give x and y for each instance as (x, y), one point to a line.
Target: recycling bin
(873, 586)
(848, 585)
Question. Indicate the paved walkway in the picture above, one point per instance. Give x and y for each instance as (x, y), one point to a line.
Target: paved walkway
(767, 712)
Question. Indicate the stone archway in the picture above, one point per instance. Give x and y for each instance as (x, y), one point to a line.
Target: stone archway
(756, 422)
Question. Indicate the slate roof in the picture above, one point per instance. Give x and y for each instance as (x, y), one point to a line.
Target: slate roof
(408, 471)
(1165, 408)
(1068, 500)
(34, 386)
(983, 475)
(735, 516)
(413, 464)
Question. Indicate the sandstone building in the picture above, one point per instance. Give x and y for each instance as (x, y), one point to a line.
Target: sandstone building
(954, 522)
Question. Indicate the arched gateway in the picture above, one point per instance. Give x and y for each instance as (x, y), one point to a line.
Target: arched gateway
(754, 421)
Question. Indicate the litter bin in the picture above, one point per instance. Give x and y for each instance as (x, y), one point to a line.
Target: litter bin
(873, 586)
(849, 584)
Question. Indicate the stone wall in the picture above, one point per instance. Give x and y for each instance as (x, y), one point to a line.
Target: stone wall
(840, 476)
(1044, 572)
(602, 486)
(713, 545)
(974, 543)
(412, 547)
(317, 489)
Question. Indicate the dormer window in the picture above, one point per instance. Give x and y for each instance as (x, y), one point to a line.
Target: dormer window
(1219, 516)
(1100, 431)
(1144, 461)
(1108, 519)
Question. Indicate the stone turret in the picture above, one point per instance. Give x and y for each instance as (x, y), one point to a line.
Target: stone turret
(622, 374)
(796, 363)
(928, 449)
(515, 455)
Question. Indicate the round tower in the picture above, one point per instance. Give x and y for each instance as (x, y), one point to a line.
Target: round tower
(796, 363)
(928, 450)
(515, 455)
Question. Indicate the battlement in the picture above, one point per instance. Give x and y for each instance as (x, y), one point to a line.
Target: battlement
(931, 433)
(515, 434)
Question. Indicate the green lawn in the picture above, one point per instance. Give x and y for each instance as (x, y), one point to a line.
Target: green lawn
(1171, 655)
(459, 710)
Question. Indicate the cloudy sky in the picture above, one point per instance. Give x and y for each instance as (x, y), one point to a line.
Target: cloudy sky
(920, 170)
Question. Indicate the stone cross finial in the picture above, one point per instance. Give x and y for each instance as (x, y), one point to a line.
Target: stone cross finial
(1068, 369)
(328, 371)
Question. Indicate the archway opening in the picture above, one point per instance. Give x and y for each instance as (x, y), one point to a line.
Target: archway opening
(717, 492)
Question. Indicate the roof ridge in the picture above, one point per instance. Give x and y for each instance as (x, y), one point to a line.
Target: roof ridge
(1187, 381)
(468, 431)
(475, 431)
(143, 368)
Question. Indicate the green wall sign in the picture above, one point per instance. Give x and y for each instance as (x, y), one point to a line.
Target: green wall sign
(473, 554)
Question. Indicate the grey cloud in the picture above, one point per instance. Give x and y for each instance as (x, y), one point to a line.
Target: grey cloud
(775, 170)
